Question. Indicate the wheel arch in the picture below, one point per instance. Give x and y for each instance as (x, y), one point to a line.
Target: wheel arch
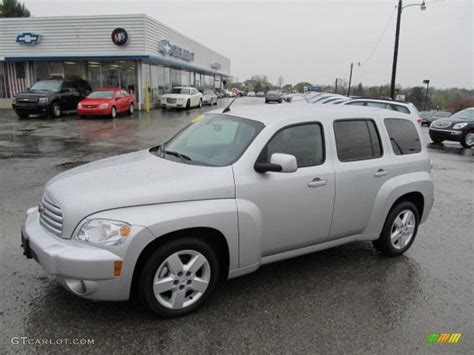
(213, 237)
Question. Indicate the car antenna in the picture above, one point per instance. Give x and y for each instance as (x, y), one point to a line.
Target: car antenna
(227, 109)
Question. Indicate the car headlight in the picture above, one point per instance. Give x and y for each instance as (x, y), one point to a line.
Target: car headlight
(460, 125)
(104, 232)
(43, 100)
(104, 105)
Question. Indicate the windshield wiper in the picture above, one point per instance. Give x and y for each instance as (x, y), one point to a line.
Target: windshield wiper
(179, 155)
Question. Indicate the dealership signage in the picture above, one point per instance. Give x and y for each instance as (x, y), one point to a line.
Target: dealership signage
(119, 36)
(166, 48)
(216, 65)
(28, 38)
(312, 88)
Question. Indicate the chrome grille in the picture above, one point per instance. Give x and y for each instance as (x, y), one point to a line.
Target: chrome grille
(170, 100)
(441, 124)
(51, 216)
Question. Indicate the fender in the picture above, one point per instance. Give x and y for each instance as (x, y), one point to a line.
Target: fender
(393, 189)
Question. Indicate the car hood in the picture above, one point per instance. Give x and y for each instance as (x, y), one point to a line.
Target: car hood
(134, 179)
(449, 122)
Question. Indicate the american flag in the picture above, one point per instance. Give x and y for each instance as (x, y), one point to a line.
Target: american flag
(16, 77)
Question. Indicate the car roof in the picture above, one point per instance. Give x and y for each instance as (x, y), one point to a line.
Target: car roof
(276, 114)
(395, 102)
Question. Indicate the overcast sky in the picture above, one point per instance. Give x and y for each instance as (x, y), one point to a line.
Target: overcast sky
(314, 40)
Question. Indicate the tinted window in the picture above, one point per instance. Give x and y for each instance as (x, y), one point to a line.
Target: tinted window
(305, 142)
(400, 108)
(356, 103)
(403, 136)
(378, 105)
(357, 140)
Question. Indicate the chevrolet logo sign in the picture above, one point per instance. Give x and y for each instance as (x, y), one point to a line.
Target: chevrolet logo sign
(28, 38)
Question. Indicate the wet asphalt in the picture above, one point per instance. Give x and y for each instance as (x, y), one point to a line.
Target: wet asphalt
(348, 299)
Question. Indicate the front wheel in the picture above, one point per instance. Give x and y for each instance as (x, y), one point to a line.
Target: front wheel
(56, 110)
(113, 112)
(178, 277)
(130, 110)
(200, 103)
(399, 230)
(437, 140)
(188, 104)
(468, 140)
(22, 115)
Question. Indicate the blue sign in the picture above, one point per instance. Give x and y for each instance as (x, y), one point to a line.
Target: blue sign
(313, 88)
(166, 48)
(28, 38)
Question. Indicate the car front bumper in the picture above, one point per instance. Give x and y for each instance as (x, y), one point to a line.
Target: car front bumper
(84, 111)
(32, 109)
(174, 104)
(446, 134)
(82, 269)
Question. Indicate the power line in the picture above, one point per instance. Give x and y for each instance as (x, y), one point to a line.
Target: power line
(381, 37)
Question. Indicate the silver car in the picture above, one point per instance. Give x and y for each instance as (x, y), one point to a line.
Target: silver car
(228, 193)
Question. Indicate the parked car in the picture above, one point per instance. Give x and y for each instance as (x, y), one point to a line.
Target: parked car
(106, 102)
(260, 94)
(209, 97)
(393, 105)
(228, 193)
(51, 97)
(458, 127)
(427, 120)
(425, 116)
(251, 94)
(182, 97)
(273, 96)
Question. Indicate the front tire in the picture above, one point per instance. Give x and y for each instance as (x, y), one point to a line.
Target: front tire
(468, 140)
(399, 230)
(437, 140)
(22, 115)
(200, 103)
(188, 104)
(113, 112)
(56, 110)
(178, 277)
(130, 110)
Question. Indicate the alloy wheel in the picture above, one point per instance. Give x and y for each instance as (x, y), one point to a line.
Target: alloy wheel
(57, 110)
(113, 112)
(403, 229)
(181, 279)
(470, 139)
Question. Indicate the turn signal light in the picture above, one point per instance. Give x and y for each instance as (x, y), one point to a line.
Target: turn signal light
(124, 230)
(117, 268)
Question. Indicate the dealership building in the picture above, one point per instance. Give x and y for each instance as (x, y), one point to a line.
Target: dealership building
(134, 52)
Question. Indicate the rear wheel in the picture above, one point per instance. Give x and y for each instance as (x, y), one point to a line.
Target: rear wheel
(468, 140)
(178, 277)
(399, 230)
(113, 112)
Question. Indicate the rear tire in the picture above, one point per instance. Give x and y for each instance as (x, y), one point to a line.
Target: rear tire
(468, 140)
(160, 265)
(397, 234)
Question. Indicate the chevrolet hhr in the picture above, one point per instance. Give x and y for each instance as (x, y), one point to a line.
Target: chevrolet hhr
(229, 192)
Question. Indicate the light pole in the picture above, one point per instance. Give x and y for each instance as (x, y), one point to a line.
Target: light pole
(350, 79)
(400, 8)
(427, 82)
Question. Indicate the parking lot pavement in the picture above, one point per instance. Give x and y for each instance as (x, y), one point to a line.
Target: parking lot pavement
(346, 299)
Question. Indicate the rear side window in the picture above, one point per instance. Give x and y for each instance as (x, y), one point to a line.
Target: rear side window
(356, 103)
(378, 105)
(400, 108)
(305, 142)
(357, 139)
(403, 136)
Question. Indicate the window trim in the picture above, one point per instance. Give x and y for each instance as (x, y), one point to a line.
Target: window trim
(390, 138)
(323, 140)
(382, 151)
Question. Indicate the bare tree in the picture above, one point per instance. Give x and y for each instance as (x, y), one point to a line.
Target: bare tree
(281, 81)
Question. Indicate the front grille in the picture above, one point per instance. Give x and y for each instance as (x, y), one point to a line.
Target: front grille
(51, 216)
(27, 99)
(90, 106)
(441, 124)
(170, 100)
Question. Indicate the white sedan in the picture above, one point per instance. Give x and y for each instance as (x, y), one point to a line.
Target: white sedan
(182, 97)
(209, 97)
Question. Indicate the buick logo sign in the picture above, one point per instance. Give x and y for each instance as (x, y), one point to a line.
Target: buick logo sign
(119, 37)
(28, 38)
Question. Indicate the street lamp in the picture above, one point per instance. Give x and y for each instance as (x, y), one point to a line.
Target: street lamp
(397, 37)
(427, 82)
(350, 78)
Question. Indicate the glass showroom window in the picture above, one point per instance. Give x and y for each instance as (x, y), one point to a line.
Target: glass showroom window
(154, 94)
(128, 75)
(56, 70)
(93, 74)
(110, 74)
(175, 77)
(41, 70)
(73, 70)
(164, 81)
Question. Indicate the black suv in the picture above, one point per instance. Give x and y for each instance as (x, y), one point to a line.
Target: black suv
(51, 97)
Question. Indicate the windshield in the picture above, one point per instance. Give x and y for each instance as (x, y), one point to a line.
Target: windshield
(214, 140)
(53, 86)
(467, 115)
(180, 91)
(273, 93)
(101, 95)
(208, 92)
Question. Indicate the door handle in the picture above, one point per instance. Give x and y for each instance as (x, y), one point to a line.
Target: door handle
(316, 182)
(380, 173)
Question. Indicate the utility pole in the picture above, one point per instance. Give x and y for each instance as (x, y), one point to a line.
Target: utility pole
(427, 82)
(350, 81)
(395, 50)
(335, 87)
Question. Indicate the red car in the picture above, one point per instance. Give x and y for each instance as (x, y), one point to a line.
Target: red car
(106, 102)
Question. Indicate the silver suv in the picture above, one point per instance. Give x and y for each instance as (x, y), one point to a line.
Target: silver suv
(228, 193)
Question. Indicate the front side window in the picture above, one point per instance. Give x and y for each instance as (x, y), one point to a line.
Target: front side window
(305, 142)
(357, 139)
(464, 115)
(403, 136)
(215, 140)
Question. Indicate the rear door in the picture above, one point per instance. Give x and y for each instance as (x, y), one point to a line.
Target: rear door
(361, 167)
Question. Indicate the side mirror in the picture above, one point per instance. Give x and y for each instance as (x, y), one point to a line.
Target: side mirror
(283, 163)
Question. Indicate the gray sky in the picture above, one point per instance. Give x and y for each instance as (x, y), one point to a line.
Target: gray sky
(314, 40)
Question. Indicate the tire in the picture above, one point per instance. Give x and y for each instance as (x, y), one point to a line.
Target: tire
(22, 115)
(131, 109)
(215, 102)
(468, 140)
(437, 140)
(55, 110)
(188, 104)
(200, 103)
(387, 243)
(113, 112)
(179, 287)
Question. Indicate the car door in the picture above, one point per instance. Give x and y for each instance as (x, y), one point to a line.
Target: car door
(195, 97)
(118, 101)
(361, 167)
(295, 208)
(68, 96)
